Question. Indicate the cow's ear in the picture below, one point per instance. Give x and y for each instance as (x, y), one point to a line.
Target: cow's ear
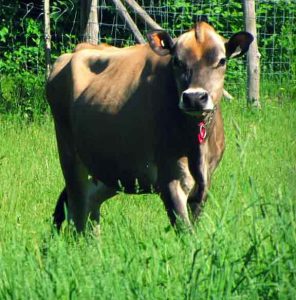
(160, 42)
(238, 44)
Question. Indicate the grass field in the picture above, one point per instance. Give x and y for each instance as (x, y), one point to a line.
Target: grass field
(245, 246)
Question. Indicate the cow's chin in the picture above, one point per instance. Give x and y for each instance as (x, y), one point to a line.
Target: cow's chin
(199, 114)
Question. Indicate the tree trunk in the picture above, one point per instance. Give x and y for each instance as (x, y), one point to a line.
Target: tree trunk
(253, 55)
(89, 21)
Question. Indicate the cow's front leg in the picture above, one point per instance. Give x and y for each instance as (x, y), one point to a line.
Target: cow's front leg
(175, 201)
(203, 165)
(198, 198)
(199, 167)
(175, 184)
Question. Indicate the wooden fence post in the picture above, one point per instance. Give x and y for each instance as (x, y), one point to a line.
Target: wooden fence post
(253, 55)
(125, 16)
(47, 37)
(89, 21)
(143, 14)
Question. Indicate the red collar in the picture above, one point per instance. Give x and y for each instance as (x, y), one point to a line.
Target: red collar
(202, 132)
(204, 125)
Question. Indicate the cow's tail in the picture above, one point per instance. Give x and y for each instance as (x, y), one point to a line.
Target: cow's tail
(59, 214)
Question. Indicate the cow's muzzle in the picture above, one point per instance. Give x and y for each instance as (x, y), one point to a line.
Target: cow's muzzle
(196, 101)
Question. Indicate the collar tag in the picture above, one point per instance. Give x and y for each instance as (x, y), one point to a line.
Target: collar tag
(201, 136)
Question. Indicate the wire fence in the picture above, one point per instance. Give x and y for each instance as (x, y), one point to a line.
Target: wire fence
(276, 20)
(276, 25)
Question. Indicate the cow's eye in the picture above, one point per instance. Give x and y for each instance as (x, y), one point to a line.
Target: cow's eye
(178, 63)
(185, 77)
(222, 62)
(188, 75)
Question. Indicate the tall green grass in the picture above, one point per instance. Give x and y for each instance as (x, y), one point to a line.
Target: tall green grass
(245, 246)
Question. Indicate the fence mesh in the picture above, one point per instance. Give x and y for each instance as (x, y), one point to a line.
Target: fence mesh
(276, 21)
(276, 28)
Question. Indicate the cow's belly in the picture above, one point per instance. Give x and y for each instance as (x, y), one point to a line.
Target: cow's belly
(135, 177)
(120, 152)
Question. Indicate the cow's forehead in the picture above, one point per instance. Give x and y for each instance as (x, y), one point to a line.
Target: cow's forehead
(201, 42)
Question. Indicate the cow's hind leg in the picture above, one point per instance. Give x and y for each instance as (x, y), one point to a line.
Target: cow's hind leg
(75, 175)
(82, 194)
(97, 194)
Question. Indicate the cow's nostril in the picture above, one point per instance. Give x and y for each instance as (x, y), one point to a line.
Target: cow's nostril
(202, 96)
(186, 100)
(194, 100)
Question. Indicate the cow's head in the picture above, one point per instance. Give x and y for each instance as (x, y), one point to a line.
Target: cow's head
(199, 59)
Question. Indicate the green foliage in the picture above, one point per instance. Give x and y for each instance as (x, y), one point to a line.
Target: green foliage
(224, 15)
(275, 23)
(244, 247)
(277, 36)
(22, 55)
(22, 39)
(23, 46)
(22, 94)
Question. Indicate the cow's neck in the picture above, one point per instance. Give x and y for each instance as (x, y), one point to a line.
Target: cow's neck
(199, 129)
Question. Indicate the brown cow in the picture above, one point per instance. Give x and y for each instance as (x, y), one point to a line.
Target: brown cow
(102, 46)
(143, 118)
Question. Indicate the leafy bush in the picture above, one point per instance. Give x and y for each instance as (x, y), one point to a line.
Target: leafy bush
(22, 56)
(23, 94)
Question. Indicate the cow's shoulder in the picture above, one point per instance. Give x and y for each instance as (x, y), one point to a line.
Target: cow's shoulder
(86, 64)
